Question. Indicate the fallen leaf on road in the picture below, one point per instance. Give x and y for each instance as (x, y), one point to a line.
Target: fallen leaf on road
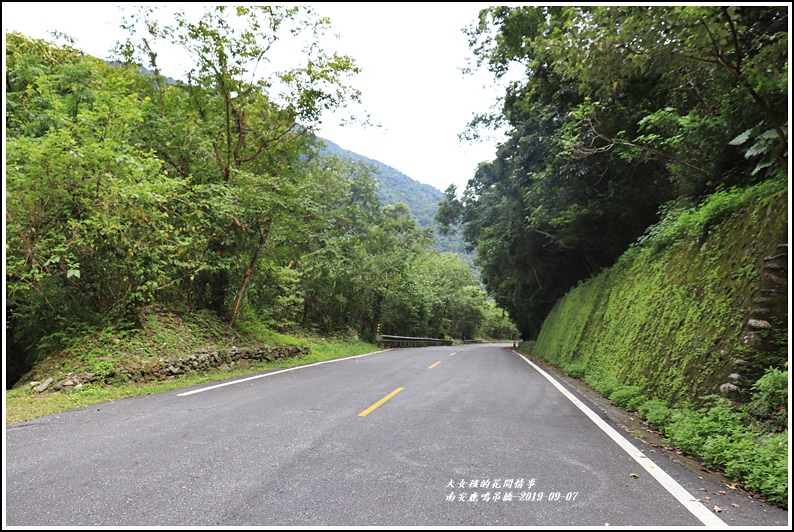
(632, 475)
(717, 509)
(734, 505)
(721, 492)
(703, 489)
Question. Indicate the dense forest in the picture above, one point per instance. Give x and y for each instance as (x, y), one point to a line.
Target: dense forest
(620, 119)
(127, 191)
(393, 186)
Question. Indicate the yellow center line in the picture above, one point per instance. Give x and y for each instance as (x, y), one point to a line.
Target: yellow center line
(376, 405)
(452, 353)
(434, 365)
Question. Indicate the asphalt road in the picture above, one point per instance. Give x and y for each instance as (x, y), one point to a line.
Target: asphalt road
(472, 435)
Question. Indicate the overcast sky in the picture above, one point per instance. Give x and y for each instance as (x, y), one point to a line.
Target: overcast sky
(410, 55)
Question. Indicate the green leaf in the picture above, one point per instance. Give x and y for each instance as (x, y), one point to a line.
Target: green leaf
(741, 139)
(769, 134)
(767, 161)
(73, 273)
(758, 148)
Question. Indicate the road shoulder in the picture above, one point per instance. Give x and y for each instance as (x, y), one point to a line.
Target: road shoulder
(733, 504)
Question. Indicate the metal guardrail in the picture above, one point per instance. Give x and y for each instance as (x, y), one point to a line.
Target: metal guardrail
(409, 341)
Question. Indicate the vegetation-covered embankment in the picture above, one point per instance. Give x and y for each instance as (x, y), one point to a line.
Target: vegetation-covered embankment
(168, 351)
(128, 190)
(690, 329)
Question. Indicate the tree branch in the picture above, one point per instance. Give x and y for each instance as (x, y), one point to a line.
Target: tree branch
(735, 39)
(587, 152)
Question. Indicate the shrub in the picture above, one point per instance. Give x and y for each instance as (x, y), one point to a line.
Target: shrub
(603, 385)
(635, 403)
(717, 433)
(689, 430)
(679, 220)
(624, 395)
(706, 433)
(768, 408)
(722, 449)
(575, 370)
(685, 431)
(769, 472)
(657, 413)
(760, 463)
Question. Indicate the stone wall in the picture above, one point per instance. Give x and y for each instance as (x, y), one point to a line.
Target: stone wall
(766, 310)
(202, 360)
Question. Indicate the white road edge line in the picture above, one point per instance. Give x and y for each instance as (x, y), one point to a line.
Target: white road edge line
(221, 385)
(675, 489)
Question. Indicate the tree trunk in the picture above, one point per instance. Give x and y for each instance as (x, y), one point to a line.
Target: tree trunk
(249, 271)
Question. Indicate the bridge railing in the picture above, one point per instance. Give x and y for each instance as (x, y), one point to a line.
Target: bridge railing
(409, 341)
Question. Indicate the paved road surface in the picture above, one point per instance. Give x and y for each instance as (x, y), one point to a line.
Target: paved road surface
(472, 435)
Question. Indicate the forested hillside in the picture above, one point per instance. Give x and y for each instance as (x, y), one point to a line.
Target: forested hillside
(640, 191)
(622, 115)
(128, 194)
(394, 186)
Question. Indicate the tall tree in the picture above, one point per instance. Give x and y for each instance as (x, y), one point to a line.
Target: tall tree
(728, 62)
(620, 110)
(246, 130)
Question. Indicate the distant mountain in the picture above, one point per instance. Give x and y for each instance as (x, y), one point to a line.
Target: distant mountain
(394, 186)
(144, 70)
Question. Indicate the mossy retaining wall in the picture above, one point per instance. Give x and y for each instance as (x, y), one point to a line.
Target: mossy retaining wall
(704, 316)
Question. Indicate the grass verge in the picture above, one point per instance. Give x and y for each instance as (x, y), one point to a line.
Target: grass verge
(22, 404)
(748, 444)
